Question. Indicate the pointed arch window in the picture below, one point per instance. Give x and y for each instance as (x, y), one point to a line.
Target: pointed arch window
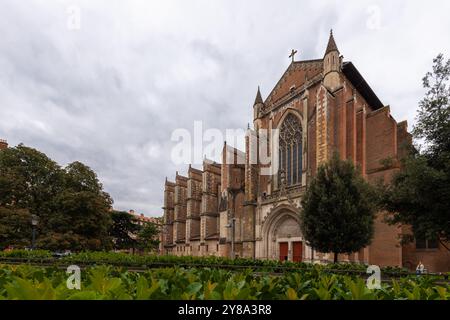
(290, 152)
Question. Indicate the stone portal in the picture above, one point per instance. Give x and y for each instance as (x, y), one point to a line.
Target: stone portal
(283, 238)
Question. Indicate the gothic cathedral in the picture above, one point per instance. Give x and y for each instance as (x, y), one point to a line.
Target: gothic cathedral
(319, 107)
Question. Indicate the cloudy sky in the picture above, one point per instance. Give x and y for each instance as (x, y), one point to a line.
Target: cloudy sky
(107, 82)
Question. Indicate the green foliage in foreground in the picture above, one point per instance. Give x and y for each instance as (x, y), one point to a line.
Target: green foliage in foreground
(102, 282)
(146, 261)
(26, 254)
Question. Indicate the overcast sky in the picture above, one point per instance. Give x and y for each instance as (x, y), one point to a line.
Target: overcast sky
(110, 90)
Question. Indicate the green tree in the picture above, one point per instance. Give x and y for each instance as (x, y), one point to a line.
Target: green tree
(28, 179)
(419, 195)
(82, 217)
(148, 237)
(124, 230)
(433, 118)
(72, 208)
(15, 227)
(338, 209)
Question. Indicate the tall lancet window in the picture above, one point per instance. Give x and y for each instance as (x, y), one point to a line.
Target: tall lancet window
(290, 154)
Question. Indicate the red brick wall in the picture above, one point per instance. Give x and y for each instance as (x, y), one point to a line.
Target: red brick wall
(361, 140)
(381, 144)
(381, 138)
(385, 249)
(295, 76)
(312, 146)
(342, 127)
(351, 132)
(434, 260)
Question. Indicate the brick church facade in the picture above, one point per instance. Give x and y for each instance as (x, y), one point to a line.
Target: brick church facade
(319, 107)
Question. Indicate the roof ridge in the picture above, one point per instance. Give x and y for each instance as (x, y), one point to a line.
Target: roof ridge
(309, 60)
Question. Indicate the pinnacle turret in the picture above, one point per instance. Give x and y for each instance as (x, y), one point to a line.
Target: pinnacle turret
(331, 44)
(258, 98)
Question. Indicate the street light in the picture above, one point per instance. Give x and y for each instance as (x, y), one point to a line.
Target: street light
(34, 223)
(235, 189)
(231, 225)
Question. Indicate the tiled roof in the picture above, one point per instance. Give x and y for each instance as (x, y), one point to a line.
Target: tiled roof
(361, 85)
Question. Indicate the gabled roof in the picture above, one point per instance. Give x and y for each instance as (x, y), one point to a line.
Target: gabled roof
(297, 72)
(361, 85)
(293, 67)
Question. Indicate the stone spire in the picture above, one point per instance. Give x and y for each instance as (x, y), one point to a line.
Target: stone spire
(258, 98)
(331, 44)
(258, 108)
(331, 65)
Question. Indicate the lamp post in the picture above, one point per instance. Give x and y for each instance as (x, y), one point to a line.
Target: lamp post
(34, 223)
(163, 239)
(231, 225)
(234, 192)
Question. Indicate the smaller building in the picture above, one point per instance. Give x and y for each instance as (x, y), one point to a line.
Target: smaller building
(157, 221)
(3, 144)
(144, 219)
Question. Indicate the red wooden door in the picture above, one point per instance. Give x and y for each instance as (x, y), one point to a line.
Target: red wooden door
(283, 251)
(297, 251)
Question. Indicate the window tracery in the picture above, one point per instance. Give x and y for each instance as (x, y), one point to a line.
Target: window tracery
(290, 149)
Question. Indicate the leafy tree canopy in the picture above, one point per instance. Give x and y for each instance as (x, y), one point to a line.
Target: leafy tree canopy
(338, 209)
(419, 194)
(124, 230)
(148, 236)
(15, 227)
(73, 209)
(433, 118)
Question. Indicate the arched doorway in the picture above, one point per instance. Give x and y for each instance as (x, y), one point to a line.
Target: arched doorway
(283, 239)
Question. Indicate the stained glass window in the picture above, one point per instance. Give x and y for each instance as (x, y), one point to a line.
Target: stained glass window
(288, 169)
(294, 163)
(290, 154)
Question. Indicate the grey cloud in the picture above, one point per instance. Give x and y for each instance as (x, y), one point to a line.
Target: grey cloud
(111, 94)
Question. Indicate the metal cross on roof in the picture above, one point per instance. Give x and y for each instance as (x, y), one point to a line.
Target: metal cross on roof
(293, 52)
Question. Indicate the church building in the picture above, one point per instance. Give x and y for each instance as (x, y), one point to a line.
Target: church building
(319, 107)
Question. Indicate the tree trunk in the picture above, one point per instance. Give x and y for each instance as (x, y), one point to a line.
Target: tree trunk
(335, 257)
